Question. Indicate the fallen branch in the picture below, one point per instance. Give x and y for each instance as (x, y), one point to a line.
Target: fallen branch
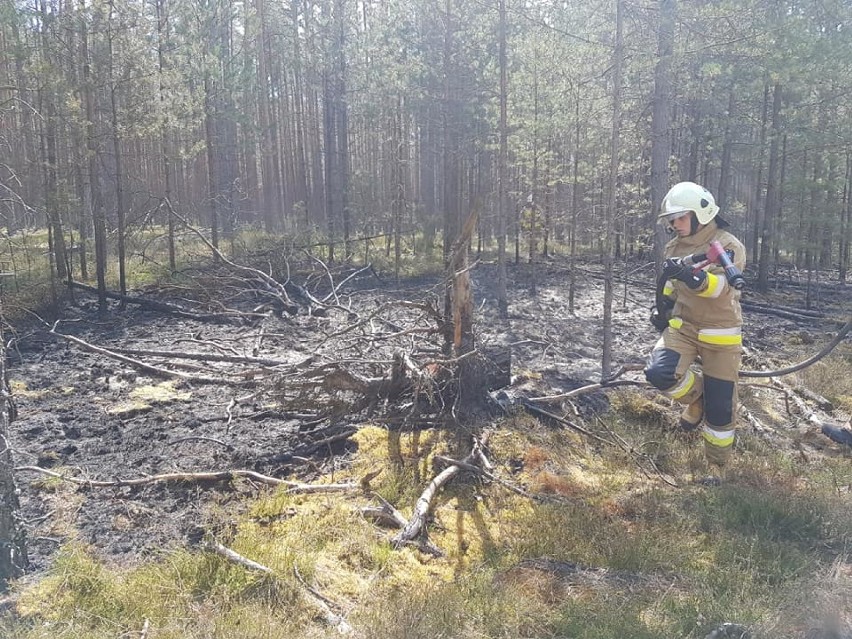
(778, 312)
(276, 289)
(535, 410)
(324, 604)
(589, 388)
(199, 477)
(148, 368)
(334, 620)
(162, 307)
(206, 357)
(417, 524)
(776, 309)
(636, 456)
(390, 516)
(473, 468)
(237, 558)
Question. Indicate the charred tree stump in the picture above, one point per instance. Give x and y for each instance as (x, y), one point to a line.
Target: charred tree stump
(474, 371)
(13, 549)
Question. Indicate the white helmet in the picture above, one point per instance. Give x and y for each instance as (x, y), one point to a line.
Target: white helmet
(688, 196)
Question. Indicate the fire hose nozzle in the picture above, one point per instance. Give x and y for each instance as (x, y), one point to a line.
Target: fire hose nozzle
(717, 253)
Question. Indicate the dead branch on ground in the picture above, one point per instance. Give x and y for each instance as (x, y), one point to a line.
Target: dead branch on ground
(416, 525)
(135, 363)
(196, 477)
(319, 601)
(163, 307)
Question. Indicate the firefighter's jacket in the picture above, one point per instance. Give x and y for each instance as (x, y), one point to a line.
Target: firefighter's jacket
(714, 309)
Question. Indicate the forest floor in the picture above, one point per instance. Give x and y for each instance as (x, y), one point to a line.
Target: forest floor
(93, 417)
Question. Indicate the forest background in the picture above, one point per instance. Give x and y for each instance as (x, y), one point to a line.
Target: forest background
(340, 120)
(358, 131)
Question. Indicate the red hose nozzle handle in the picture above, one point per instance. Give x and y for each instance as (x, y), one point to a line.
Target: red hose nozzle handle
(717, 253)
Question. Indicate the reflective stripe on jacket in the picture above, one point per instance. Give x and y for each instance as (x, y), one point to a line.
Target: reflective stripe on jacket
(714, 309)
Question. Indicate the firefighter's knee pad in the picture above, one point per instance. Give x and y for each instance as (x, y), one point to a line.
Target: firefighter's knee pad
(718, 401)
(661, 367)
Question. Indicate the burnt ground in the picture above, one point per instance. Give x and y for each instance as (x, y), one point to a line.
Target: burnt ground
(94, 417)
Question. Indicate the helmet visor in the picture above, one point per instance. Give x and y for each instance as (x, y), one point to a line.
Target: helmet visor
(668, 218)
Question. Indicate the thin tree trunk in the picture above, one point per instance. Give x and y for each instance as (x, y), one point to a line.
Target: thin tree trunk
(846, 220)
(779, 219)
(210, 142)
(341, 112)
(330, 156)
(575, 204)
(606, 357)
(120, 210)
(13, 549)
(165, 151)
(772, 197)
(267, 195)
(300, 163)
(661, 122)
(502, 168)
(56, 239)
(725, 165)
(98, 213)
(756, 219)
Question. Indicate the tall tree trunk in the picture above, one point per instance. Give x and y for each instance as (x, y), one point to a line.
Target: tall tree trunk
(51, 189)
(846, 220)
(612, 188)
(226, 126)
(502, 168)
(330, 156)
(831, 207)
(575, 204)
(120, 210)
(341, 113)
(13, 549)
(725, 165)
(450, 156)
(757, 212)
(165, 150)
(268, 210)
(779, 213)
(661, 122)
(397, 184)
(301, 167)
(210, 141)
(772, 195)
(98, 213)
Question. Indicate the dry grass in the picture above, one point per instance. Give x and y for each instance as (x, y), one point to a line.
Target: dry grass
(646, 560)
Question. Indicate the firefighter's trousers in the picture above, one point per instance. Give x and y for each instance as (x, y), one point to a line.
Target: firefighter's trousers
(715, 385)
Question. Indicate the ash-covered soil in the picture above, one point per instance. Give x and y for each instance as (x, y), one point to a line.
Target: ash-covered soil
(93, 417)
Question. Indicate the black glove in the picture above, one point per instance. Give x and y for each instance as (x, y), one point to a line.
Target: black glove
(674, 269)
(660, 320)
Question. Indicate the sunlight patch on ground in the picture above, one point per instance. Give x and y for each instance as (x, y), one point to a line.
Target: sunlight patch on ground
(160, 393)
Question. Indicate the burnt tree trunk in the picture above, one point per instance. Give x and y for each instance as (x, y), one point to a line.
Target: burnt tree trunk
(477, 372)
(13, 550)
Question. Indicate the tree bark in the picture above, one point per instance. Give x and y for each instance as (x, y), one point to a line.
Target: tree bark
(661, 122)
(13, 548)
(606, 355)
(772, 198)
(98, 213)
(502, 168)
(756, 212)
(846, 220)
(120, 210)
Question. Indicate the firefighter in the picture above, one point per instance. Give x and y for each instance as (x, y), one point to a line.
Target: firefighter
(701, 318)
